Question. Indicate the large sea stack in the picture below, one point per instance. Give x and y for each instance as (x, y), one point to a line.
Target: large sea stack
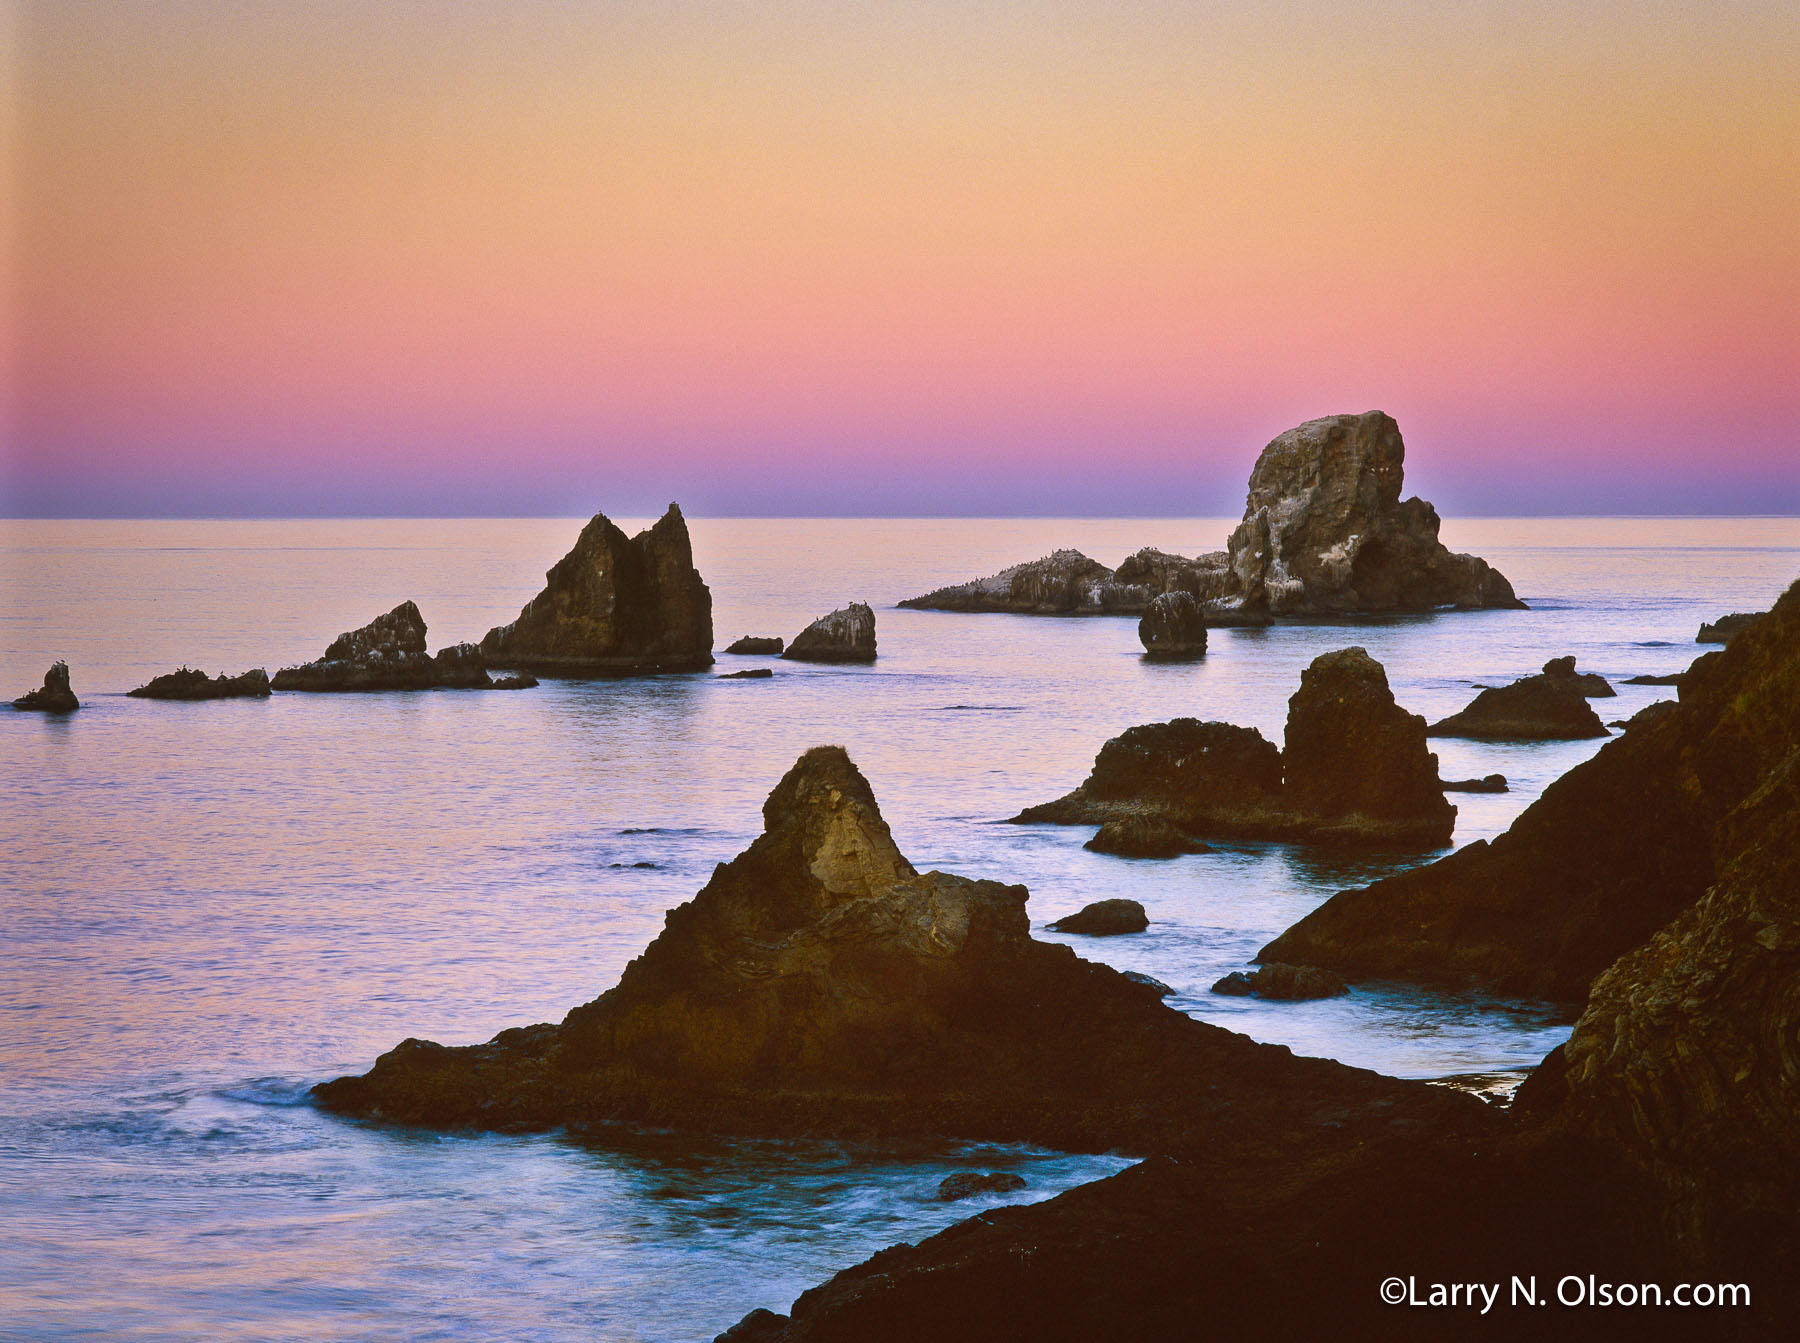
(388, 654)
(614, 606)
(1611, 852)
(1356, 771)
(820, 984)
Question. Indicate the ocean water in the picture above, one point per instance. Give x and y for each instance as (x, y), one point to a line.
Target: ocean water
(206, 908)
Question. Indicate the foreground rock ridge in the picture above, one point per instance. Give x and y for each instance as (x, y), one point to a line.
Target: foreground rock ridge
(54, 696)
(389, 654)
(820, 984)
(1324, 533)
(1356, 771)
(614, 605)
(1611, 852)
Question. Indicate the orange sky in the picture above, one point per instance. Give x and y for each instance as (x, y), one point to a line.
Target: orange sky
(1049, 257)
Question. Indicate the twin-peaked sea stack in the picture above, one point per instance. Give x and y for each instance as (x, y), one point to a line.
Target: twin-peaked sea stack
(614, 606)
(820, 984)
(1356, 771)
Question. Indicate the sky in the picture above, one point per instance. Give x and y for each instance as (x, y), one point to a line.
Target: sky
(1050, 257)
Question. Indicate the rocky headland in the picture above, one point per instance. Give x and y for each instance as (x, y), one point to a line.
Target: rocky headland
(389, 654)
(190, 684)
(54, 696)
(614, 606)
(1356, 771)
(1550, 706)
(1612, 851)
(1325, 534)
(845, 635)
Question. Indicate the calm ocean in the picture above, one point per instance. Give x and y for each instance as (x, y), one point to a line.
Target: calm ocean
(206, 908)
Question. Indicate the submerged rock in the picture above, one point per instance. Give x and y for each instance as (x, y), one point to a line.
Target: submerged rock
(54, 696)
(1143, 837)
(1325, 530)
(389, 654)
(1105, 918)
(1533, 708)
(1356, 771)
(196, 685)
(754, 674)
(751, 644)
(1721, 630)
(1590, 685)
(1281, 983)
(1173, 627)
(1487, 783)
(819, 984)
(614, 606)
(1610, 852)
(967, 1184)
(846, 635)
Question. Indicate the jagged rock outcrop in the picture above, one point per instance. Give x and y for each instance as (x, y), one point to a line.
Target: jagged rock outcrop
(1546, 707)
(389, 654)
(54, 696)
(1281, 983)
(1173, 627)
(820, 984)
(1143, 837)
(1721, 630)
(614, 606)
(1325, 531)
(1104, 918)
(1356, 771)
(190, 684)
(752, 644)
(846, 635)
(1610, 852)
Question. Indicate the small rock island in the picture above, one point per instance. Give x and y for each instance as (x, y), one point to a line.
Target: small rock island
(54, 696)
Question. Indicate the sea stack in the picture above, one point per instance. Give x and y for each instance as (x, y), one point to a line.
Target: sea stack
(614, 606)
(54, 696)
(846, 635)
(388, 654)
(1173, 628)
(1325, 531)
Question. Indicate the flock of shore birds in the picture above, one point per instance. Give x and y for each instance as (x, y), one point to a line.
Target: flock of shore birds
(819, 985)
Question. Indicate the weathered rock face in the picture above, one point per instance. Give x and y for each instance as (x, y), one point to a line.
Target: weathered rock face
(1105, 918)
(389, 654)
(1173, 627)
(1533, 708)
(846, 635)
(1143, 837)
(1356, 771)
(1590, 685)
(819, 984)
(1354, 754)
(1611, 852)
(189, 684)
(1325, 531)
(751, 644)
(54, 696)
(614, 606)
(1721, 630)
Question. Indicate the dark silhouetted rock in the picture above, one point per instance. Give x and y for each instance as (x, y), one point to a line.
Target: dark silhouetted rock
(1143, 837)
(752, 644)
(1721, 630)
(521, 681)
(1281, 983)
(1590, 685)
(819, 984)
(389, 654)
(1356, 771)
(614, 606)
(194, 685)
(1487, 783)
(754, 674)
(1533, 708)
(967, 1184)
(54, 696)
(759, 1326)
(1673, 678)
(1610, 852)
(1173, 627)
(1105, 918)
(846, 635)
(1237, 984)
(1325, 531)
